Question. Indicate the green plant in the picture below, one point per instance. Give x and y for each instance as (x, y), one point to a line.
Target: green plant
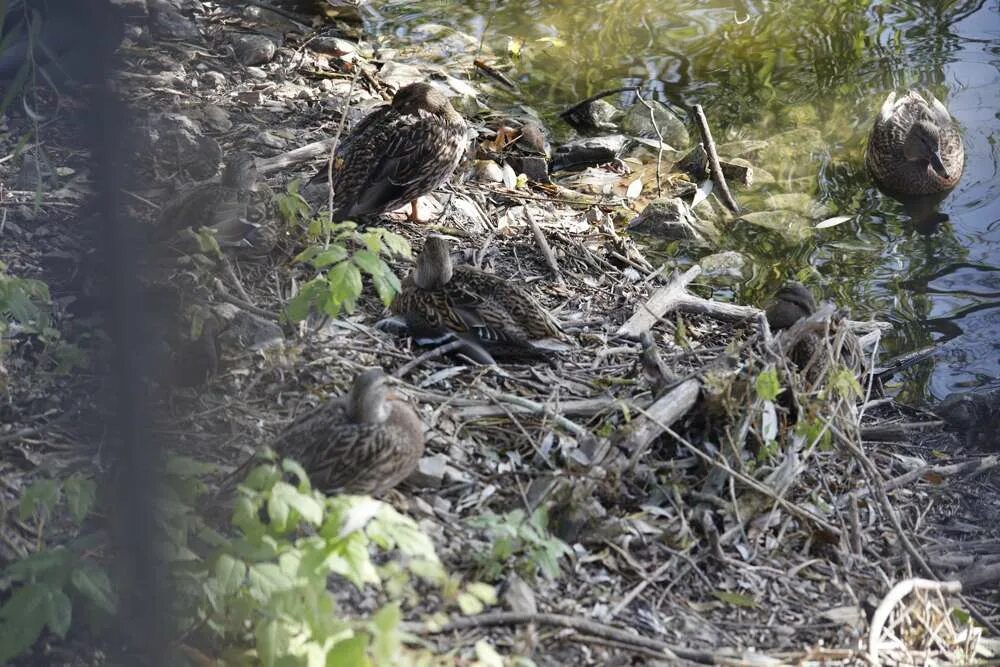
(262, 596)
(520, 541)
(24, 304)
(340, 252)
(50, 586)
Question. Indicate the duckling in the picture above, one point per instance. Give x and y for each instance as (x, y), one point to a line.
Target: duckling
(396, 154)
(439, 297)
(367, 444)
(915, 147)
(791, 303)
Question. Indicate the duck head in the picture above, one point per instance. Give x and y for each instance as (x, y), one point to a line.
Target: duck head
(434, 267)
(240, 171)
(416, 97)
(368, 401)
(923, 144)
(791, 303)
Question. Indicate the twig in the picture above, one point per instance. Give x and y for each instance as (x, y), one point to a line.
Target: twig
(249, 307)
(659, 136)
(543, 246)
(227, 266)
(730, 312)
(540, 409)
(586, 407)
(893, 597)
(573, 623)
(658, 303)
(713, 160)
(301, 154)
(494, 73)
(433, 353)
(670, 407)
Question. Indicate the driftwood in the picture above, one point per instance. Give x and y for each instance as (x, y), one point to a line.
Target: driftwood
(543, 246)
(661, 301)
(667, 409)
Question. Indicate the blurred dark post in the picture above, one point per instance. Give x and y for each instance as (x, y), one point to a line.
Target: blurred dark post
(134, 478)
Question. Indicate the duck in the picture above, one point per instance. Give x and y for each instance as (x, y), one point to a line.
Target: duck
(915, 147)
(792, 302)
(229, 208)
(363, 444)
(396, 154)
(490, 312)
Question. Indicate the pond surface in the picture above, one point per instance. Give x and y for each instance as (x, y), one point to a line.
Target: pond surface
(809, 78)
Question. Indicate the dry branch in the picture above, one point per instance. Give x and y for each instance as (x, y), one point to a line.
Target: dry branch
(713, 160)
(661, 301)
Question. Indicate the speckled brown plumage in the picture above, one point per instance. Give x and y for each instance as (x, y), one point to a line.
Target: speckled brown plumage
(915, 148)
(366, 444)
(397, 153)
(439, 296)
(209, 204)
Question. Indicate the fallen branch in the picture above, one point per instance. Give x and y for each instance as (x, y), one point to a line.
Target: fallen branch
(713, 160)
(661, 301)
(643, 430)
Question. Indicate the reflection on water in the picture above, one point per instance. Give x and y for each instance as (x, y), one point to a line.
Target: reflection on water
(809, 77)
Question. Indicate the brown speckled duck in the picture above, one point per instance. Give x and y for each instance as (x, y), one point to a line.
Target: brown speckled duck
(915, 147)
(396, 154)
(366, 444)
(439, 297)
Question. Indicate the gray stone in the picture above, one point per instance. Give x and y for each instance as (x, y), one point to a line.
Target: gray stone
(246, 332)
(535, 167)
(589, 151)
(488, 171)
(253, 49)
(594, 116)
(637, 121)
(728, 266)
(213, 79)
(168, 23)
(177, 141)
(668, 219)
(216, 118)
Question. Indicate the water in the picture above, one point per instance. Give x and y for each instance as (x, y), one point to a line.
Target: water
(818, 71)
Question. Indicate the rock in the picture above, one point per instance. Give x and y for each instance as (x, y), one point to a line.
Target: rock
(333, 46)
(737, 171)
(596, 116)
(430, 472)
(271, 140)
(216, 118)
(253, 49)
(177, 141)
(168, 23)
(213, 79)
(726, 267)
(637, 121)
(589, 151)
(535, 167)
(488, 171)
(668, 219)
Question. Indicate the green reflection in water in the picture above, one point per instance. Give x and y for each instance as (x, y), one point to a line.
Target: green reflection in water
(806, 76)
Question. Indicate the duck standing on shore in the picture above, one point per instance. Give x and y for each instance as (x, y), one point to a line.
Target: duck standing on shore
(396, 154)
(915, 147)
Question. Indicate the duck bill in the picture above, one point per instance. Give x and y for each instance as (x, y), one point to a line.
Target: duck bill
(938, 166)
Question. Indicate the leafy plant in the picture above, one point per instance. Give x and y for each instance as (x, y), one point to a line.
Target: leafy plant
(262, 595)
(25, 304)
(520, 541)
(341, 253)
(50, 585)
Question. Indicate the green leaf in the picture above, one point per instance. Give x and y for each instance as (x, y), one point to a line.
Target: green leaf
(845, 384)
(396, 244)
(484, 592)
(735, 599)
(304, 504)
(469, 604)
(345, 287)
(332, 255)
(293, 467)
(349, 653)
(369, 262)
(266, 579)
(387, 639)
(310, 294)
(93, 584)
(387, 286)
(41, 497)
(230, 574)
(58, 612)
(80, 495)
(21, 620)
(277, 511)
(185, 466)
(267, 636)
(767, 385)
(486, 655)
